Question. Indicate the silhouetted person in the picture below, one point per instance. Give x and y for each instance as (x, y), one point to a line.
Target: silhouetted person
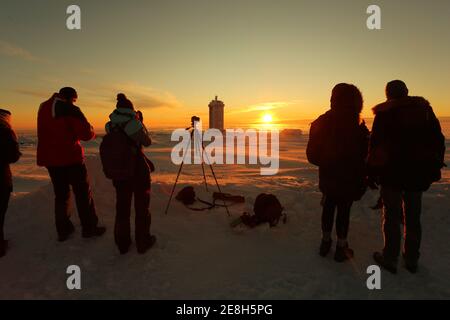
(61, 126)
(406, 155)
(338, 144)
(9, 153)
(124, 119)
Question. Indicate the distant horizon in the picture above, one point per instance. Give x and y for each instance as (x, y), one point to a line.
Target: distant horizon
(280, 126)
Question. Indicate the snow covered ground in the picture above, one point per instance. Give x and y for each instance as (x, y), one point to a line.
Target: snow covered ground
(198, 255)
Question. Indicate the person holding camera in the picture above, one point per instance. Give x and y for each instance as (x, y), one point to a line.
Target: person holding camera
(126, 164)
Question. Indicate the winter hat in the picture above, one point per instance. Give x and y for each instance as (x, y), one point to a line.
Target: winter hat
(68, 93)
(396, 89)
(123, 102)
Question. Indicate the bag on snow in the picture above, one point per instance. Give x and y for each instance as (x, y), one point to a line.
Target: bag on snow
(267, 209)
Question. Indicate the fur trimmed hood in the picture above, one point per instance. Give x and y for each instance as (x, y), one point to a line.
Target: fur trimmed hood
(403, 102)
(5, 119)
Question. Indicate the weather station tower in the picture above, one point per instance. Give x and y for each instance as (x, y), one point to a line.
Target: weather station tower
(216, 114)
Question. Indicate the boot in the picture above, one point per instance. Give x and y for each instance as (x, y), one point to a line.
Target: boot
(94, 232)
(67, 234)
(151, 240)
(3, 248)
(410, 264)
(389, 265)
(343, 253)
(325, 247)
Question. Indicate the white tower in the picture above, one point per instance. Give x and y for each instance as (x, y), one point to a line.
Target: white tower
(216, 111)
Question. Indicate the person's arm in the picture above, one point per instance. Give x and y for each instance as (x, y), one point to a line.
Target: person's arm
(375, 143)
(143, 137)
(314, 147)
(437, 138)
(136, 130)
(82, 128)
(10, 146)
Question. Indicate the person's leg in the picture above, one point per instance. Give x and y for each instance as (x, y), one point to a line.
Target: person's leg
(143, 217)
(4, 200)
(343, 252)
(79, 180)
(413, 228)
(329, 207)
(343, 221)
(392, 217)
(61, 188)
(122, 232)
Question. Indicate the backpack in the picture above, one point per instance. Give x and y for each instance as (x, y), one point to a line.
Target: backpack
(118, 155)
(186, 195)
(267, 209)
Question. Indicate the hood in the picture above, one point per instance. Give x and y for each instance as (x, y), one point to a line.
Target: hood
(121, 116)
(5, 120)
(407, 102)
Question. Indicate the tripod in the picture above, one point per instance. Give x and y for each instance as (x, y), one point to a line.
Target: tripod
(201, 148)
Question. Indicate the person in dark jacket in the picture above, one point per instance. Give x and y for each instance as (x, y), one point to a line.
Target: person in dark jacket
(338, 144)
(406, 155)
(9, 154)
(61, 126)
(124, 118)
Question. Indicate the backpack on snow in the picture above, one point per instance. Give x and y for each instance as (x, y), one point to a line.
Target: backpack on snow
(267, 209)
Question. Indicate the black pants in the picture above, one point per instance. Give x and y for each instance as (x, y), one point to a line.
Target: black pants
(342, 219)
(74, 176)
(401, 206)
(4, 200)
(140, 188)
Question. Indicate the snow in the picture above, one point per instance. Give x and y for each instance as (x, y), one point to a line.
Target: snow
(198, 255)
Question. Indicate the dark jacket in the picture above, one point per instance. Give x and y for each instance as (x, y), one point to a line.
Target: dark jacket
(407, 146)
(338, 144)
(61, 126)
(9, 154)
(128, 121)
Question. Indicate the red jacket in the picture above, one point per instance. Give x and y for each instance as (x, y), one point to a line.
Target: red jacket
(61, 126)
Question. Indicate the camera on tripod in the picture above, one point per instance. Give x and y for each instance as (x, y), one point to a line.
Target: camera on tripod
(194, 119)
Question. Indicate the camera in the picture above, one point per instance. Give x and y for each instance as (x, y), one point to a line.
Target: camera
(140, 116)
(194, 119)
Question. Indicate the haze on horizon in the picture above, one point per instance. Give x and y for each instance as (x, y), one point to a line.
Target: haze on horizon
(274, 60)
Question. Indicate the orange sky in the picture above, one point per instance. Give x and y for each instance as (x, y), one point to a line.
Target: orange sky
(259, 56)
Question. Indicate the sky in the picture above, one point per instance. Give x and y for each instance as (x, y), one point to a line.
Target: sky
(278, 58)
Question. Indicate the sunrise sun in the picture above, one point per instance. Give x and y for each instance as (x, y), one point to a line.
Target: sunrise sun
(267, 118)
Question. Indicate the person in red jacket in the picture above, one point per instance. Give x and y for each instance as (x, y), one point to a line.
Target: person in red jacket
(61, 126)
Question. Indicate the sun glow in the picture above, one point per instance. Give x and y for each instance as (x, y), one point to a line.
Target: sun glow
(267, 118)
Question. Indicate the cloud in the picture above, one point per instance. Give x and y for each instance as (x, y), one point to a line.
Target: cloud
(143, 97)
(31, 92)
(265, 106)
(10, 50)
(104, 97)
